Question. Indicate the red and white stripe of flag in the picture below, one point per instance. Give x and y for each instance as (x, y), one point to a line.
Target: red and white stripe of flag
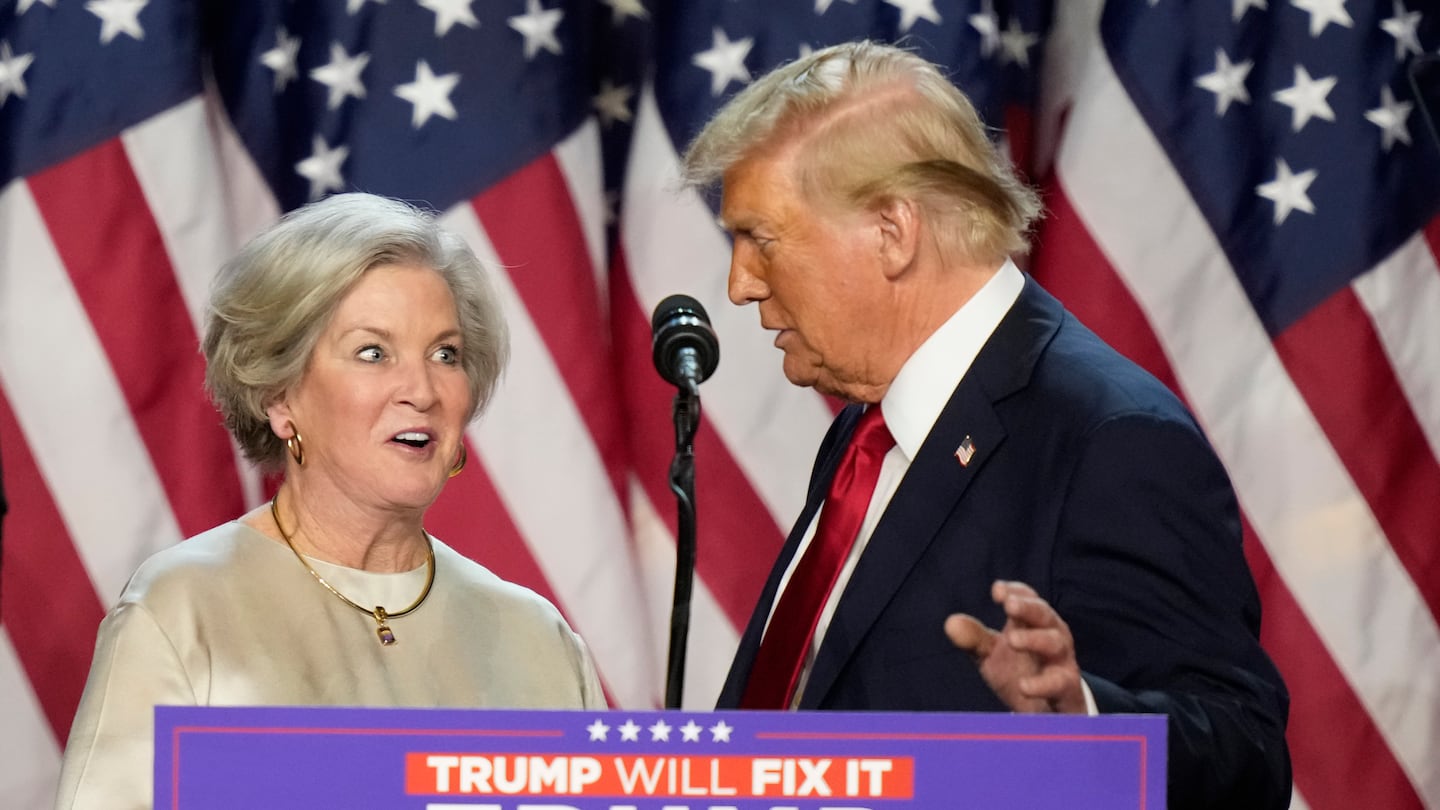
(1331, 432)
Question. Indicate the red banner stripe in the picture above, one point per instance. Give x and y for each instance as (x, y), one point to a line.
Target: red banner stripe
(531, 220)
(1335, 359)
(1432, 235)
(735, 573)
(1339, 757)
(46, 598)
(470, 517)
(101, 226)
(1062, 263)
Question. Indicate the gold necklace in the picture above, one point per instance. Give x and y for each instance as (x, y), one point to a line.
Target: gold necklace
(381, 616)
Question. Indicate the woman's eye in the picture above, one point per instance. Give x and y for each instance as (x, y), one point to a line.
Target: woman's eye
(371, 354)
(449, 355)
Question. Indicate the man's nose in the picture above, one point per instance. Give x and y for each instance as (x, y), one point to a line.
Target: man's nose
(745, 284)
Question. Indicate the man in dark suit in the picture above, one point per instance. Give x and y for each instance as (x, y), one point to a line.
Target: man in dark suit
(1038, 482)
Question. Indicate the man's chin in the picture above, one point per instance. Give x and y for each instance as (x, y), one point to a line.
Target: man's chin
(805, 376)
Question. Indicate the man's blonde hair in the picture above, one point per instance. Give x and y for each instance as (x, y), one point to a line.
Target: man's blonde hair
(870, 123)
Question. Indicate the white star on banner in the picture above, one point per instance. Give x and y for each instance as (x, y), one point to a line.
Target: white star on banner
(660, 732)
(353, 6)
(1227, 82)
(537, 25)
(720, 732)
(629, 732)
(1324, 12)
(612, 103)
(598, 731)
(281, 58)
(430, 94)
(118, 17)
(623, 9)
(725, 60)
(26, 4)
(912, 10)
(1404, 27)
(12, 72)
(989, 27)
(342, 75)
(322, 168)
(1390, 116)
(822, 6)
(1306, 98)
(450, 12)
(1287, 191)
(1241, 6)
(1016, 42)
(690, 732)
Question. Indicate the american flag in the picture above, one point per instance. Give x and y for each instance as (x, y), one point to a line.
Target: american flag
(1242, 196)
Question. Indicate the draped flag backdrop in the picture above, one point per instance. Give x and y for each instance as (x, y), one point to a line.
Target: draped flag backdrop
(1242, 195)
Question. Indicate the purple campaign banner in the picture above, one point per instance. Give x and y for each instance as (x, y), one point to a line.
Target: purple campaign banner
(464, 759)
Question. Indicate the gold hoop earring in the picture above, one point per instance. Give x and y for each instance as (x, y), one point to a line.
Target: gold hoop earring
(296, 446)
(459, 462)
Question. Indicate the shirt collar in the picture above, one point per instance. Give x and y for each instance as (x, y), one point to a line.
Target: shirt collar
(919, 392)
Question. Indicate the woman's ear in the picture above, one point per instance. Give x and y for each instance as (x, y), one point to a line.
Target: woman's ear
(282, 419)
(899, 223)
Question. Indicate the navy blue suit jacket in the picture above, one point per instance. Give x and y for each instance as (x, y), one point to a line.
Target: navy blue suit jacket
(1092, 483)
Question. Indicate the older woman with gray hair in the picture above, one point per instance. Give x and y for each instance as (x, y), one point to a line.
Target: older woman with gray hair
(349, 345)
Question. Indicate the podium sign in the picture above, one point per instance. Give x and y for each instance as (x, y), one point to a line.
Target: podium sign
(433, 759)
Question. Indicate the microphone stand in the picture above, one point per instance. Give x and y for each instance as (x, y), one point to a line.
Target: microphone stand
(682, 483)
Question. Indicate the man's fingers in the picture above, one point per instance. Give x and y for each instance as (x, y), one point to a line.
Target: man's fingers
(1047, 642)
(1050, 683)
(1030, 611)
(1002, 588)
(969, 634)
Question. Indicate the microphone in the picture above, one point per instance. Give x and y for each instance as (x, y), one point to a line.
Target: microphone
(685, 349)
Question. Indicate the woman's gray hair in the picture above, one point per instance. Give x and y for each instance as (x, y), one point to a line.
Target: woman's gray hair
(869, 122)
(271, 302)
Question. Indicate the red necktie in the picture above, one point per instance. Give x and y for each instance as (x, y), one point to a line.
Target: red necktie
(792, 625)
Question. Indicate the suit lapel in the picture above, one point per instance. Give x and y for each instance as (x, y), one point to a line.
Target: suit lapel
(936, 481)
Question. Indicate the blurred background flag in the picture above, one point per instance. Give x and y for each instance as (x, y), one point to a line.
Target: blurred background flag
(1242, 197)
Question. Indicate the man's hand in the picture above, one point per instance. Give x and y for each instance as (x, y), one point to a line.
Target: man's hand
(1031, 662)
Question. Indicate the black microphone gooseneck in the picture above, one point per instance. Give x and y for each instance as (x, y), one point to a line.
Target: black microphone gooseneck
(686, 352)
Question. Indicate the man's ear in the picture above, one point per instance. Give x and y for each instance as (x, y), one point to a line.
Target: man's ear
(900, 226)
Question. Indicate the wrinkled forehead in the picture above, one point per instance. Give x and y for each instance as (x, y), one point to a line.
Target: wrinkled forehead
(761, 181)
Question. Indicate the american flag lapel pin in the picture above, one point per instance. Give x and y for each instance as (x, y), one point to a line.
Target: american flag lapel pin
(965, 451)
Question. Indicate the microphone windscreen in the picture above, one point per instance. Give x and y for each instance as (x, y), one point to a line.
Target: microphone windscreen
(680, 323)
(674, 305)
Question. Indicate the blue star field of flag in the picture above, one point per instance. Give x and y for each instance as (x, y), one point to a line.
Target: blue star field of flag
(1295, 129)
(73, 75)
(990, 49)
(701, 52)
(433, 98)
(436, 99)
